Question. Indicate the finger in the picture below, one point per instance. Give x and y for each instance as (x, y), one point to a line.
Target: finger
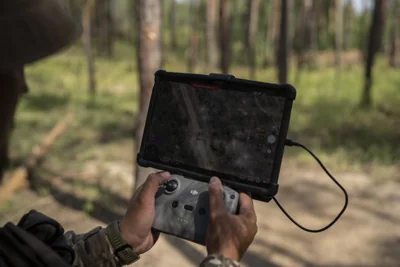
(151, 185)
(215, 190)
(246, 206)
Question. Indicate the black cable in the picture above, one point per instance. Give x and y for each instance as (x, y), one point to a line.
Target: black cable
(289, 142)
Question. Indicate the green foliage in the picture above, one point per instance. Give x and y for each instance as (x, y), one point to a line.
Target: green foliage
(325, 115)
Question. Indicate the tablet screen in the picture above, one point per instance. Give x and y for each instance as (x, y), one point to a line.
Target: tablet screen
(204, 127)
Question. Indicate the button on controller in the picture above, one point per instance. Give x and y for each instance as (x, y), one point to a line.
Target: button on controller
(188, 207)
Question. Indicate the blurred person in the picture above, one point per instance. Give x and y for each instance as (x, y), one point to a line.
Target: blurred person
(32, 30)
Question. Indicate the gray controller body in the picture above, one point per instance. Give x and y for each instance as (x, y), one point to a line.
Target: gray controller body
(184, 212)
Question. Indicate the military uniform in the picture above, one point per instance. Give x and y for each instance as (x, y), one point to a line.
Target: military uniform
(94, 249)
(39, 237)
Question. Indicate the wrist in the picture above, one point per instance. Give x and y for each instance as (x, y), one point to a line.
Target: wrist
(122, 249)
(130, 237)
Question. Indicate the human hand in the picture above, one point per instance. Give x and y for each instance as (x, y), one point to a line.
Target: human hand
(136, 224)
(229, 234)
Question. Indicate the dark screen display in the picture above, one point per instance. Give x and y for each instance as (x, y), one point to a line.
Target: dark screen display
(225, 131)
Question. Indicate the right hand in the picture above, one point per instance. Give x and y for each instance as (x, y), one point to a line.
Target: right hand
(229, 234)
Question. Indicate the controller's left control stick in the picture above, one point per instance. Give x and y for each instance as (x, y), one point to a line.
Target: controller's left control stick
(171, 186)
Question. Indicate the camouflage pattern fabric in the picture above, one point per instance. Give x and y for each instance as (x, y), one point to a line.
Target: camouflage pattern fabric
(94, 249)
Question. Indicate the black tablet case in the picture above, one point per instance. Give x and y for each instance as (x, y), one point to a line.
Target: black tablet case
(278, 107)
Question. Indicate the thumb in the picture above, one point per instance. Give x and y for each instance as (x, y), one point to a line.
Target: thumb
(216, 190)
(151, 185)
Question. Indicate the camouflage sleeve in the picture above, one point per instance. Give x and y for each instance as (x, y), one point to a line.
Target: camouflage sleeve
(92, 249)
(215, 260)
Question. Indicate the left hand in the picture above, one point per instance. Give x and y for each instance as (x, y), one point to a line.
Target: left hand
(136, 224)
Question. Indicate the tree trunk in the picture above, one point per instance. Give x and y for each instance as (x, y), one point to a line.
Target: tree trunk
(332, 24)
(274, 33)
(348, 23)
(162, 34)
(212, 46)
(225, 34)
(264, 16)
(149, 61)
(244, 24)
(87, 43)
(283, 43)
(301, 42)
(362, 43)
(239, 29)
(253, 9)
(374, 43)
(394, 35)
(313, 34)
(202, 34)
(298, 40)
(290, 34)
(338, 34)
(172, 25)
(323, 23)
(110, 30)
(103, 28)
(193, 37)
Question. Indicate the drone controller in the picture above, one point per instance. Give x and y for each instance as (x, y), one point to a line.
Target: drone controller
(182, 208)
(200, 126)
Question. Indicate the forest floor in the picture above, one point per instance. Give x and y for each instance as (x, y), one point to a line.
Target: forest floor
(84, 179)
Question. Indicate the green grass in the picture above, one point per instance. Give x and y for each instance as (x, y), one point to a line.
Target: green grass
(325, 115)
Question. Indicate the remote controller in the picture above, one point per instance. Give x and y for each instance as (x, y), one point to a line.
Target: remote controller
(182, 208)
